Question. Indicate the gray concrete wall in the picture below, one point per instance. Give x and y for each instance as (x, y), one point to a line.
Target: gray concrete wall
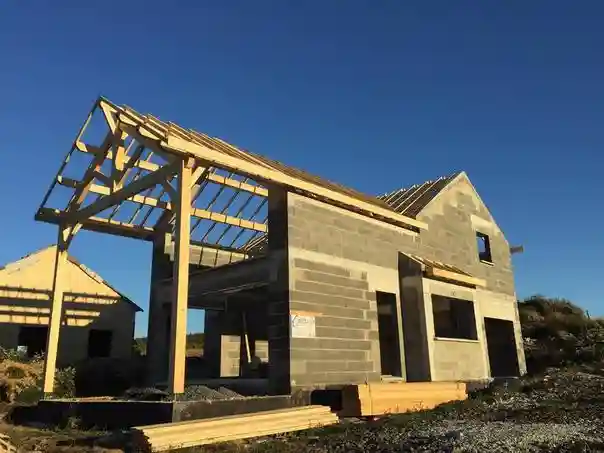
(332, 263)
(453, 218)
(358, 256)
(417, 355)
(453, 359)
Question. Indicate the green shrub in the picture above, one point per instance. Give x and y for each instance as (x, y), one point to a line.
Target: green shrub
(29, 395)
(65, 386)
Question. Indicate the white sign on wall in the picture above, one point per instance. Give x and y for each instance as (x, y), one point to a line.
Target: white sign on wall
(302, 326)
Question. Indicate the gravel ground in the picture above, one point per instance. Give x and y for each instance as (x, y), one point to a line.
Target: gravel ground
(562, 411)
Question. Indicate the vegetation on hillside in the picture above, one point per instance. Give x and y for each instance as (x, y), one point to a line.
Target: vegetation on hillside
(558, 333)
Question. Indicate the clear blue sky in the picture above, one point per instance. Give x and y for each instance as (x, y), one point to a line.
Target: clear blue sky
(373, 94)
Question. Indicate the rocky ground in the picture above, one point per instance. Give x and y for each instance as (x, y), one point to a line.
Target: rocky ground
(560, 411)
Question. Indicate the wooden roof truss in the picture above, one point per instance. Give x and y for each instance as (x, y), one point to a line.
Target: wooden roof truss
(125, 184)
(128, 186)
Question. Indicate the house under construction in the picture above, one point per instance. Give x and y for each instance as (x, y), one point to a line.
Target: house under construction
(306, 283)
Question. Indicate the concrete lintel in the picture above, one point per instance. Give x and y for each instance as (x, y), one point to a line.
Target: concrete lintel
(243, 274)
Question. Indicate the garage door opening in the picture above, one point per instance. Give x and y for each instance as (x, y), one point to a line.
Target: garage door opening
(501, 344)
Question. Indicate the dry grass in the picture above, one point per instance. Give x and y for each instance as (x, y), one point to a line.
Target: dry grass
(15, 377)
(60, 441)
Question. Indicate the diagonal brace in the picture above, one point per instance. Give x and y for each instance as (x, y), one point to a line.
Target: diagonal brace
(123, 194)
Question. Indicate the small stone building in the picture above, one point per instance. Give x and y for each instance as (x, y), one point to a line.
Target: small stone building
(98, 320)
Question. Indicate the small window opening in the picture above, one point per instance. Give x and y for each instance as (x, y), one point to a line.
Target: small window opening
(99, 343)
(484, 247)
(32, 340)
(454, 318)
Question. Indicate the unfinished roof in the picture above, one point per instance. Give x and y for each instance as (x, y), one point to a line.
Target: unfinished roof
(17, 264)
(438, 269)
(411, 200)
(119, 178)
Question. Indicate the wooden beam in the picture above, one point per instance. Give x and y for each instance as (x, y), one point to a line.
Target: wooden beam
(154, 202)
(449, 275)
(180, 291)
(108, 112)
(213, 177)
(270, 176)
(99, 224)
(123, 194)
(56, 312)
(167, 218)
(81, 192)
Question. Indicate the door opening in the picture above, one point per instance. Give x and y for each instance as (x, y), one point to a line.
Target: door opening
(33, 338)
(501, 345)
(390, 351)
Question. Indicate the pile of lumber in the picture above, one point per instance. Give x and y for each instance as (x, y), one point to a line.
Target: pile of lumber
(384, 398)
(168, 436)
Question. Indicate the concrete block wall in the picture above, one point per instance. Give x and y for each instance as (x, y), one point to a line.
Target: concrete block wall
(345, 325)
(330, 263)
(262, 350)
(230, 355)
(453, 359)
(454, 217)
(317, 234)
(415, 334)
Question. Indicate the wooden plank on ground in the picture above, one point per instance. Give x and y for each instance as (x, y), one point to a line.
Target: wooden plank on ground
(168, 436)
(393, 398)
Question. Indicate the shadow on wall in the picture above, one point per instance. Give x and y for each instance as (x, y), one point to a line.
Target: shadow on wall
(92, 325)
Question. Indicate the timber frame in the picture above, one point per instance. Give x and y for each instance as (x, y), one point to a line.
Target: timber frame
(148, 178)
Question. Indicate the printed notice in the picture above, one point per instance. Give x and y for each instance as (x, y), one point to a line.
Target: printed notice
(302, 326)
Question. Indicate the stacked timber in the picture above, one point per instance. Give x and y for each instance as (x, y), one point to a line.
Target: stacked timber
(370, 400)
(168, 436)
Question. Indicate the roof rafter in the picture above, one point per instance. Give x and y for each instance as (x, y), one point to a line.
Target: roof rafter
(128, 167)
(140, 155)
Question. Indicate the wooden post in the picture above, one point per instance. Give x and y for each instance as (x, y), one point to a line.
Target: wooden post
(180, 280)
(56, 311)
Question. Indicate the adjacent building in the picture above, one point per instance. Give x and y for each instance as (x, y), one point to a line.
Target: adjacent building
(98, 320)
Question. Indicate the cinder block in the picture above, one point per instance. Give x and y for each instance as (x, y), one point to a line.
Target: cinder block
(330, 343)
(333, 321)
(353, 313)
(345, 282)
(321, 267)
(332, 332)
(329, 300)
(322, 288)
(327, 355)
